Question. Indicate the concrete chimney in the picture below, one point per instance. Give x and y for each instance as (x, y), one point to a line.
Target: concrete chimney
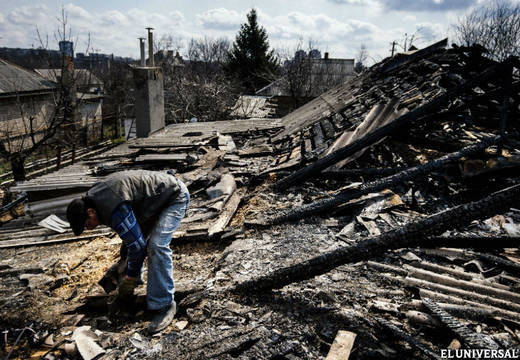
(150, 47)
(141, 46)
(149, 100)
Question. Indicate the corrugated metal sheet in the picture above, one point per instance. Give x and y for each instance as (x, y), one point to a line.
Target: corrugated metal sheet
(83, 76)
(14, 78)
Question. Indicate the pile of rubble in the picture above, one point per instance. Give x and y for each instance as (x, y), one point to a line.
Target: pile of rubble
(376, 221)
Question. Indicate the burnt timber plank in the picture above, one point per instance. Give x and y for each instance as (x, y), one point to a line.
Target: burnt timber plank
(227, 213)
(48, 241)
(423, 348)
(471, 339)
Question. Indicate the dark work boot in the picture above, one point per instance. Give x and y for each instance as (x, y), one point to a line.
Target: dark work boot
(162, 318)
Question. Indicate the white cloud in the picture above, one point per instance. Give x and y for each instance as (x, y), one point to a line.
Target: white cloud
(355, 2)
(431, 31)
(427, 5)
(221, 19)
(76, 12)
(341, 38)
(412, 5)
(116, 31)
(29, 15)
(114, 18)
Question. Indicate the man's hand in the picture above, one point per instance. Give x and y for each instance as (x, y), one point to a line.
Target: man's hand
(126, 288)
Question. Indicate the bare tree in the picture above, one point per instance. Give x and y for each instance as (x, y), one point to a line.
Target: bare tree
(40, 119)
(199, 87)
(209, 50)
(299, 71)
(168, 42)
(306, 74)
(361, 58)
(494, 25)
(119, 99)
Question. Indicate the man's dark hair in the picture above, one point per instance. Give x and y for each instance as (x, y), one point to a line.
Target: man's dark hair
(77, 214)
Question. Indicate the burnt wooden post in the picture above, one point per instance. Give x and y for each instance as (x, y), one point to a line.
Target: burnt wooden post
(508, 79)
(73, 153)
(58, 158)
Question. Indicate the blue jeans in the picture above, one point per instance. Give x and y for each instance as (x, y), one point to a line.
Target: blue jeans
(160, 287)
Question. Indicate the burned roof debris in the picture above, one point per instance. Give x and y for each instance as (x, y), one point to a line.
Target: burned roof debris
(378, 221)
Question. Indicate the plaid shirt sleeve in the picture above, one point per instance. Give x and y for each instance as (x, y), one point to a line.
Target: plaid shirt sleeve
(123, 221)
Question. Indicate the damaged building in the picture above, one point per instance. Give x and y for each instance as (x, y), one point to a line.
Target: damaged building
(377, 221)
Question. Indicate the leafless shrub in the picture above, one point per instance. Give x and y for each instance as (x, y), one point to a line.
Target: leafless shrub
(199, 87)
(494, 25)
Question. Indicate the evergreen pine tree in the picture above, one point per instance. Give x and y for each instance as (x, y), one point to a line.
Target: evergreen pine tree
(250, 59)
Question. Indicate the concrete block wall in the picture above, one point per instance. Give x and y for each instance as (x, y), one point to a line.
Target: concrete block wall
(149, 100)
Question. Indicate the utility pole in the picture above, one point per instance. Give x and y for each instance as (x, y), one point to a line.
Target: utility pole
(393, 47)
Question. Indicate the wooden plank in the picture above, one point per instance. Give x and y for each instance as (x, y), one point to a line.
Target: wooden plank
(342, 346)
(223, 127)
(165, 158)
(225, 216)
(42, 241)
(258, 150)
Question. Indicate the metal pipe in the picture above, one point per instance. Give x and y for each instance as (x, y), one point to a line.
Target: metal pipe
(141, 46)
(150, 47)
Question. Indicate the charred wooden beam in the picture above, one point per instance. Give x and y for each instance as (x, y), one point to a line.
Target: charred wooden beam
(505, 105)
(377, 185)
(410, 235)
(376, 135)
(475, 242)
(508, 265)
(471, 339)
(464, 294)
(423, 348)
(483, 288)
(463, 308)
(373, 172)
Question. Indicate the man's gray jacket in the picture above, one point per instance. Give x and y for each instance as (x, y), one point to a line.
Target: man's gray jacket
(147, 192)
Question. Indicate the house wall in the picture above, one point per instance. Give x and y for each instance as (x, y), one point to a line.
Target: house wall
(15, 118)
(91, 115)
(16, 112)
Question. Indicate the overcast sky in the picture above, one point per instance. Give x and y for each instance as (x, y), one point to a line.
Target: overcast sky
(337, 26)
